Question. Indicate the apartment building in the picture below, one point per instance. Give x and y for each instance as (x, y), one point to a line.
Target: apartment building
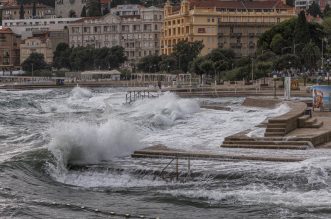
(39, 43)
(221, 24)
(139, 33)
(9, 48)
(65, 8)
(12, 11)
(26, 27)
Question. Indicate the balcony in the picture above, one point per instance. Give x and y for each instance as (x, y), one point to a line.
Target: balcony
(235, 45)
(235, 34)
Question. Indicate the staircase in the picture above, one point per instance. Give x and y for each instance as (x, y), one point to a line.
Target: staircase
(266, 143)
(275, 129)
(307, 122)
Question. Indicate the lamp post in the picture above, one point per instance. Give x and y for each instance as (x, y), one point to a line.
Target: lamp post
(323, 39)
(252, 69)
(288, 47)
(32, 72)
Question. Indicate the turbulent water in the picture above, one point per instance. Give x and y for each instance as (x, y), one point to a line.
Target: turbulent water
(65, 153)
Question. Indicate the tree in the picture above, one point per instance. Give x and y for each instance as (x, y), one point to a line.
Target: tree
(185, 52)
(277, 43)
(314, 10)
(22, 10)
(301, 30)
(168, 63)
(83, 13)
(116, 57)
(93, 8)
(105, 11)
(35, 61)
(207, 67)
(61, 58)
(72, 13)
(310, 55)
(149, 63)
(327, 11)
(290, 2)
(34, 10)
(287, 61)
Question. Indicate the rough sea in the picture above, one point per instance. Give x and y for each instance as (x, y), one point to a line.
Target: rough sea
(65, 153)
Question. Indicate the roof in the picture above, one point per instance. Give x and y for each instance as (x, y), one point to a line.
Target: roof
(112, 72)
(6, 30)
(268, 4)
(18, 6)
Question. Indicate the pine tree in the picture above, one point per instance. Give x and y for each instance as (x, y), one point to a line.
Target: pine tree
(34, 10)
(83, 13)
(22, 11)
(314, 10)
(93, 8)
(301, 30)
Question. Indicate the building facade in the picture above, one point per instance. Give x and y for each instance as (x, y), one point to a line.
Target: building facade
(26, 27)
(63, 8)
(234, 25)
(9, 49)
(12, 11)
(39, 43)
(138, 34)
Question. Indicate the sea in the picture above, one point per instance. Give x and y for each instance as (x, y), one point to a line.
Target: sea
(66, 153)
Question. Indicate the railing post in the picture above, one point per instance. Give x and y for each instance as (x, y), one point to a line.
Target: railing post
(177, 173)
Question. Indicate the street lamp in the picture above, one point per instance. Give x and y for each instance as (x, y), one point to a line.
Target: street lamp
(288, 47)
(323, 39)
(252, 69)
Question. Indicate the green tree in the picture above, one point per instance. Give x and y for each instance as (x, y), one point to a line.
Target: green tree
(277, 43)
(310, 55)
(314, 10)
(290, 3)
(61, 58)
(22, 10)
(207, 67)
(266, 56)
(149, 63)
(72, 13)
(287, 61)
(116, 57)
(35, 61)
(301, 30)
(93, 8)
(168, 63)
(327, 11)
(83, 13)
(185, 52)
(34, 10)
(195, 66)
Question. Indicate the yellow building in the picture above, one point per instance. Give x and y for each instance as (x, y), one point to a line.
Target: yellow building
(221, 24)
(40, 43)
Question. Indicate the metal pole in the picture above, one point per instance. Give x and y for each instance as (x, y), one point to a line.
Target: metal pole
(252, 71)
(32, 72)
(177, 174)
(275, 88)
(322, 53)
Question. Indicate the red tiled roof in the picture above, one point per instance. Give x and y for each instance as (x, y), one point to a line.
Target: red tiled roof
(6, 30)
(105, 1)
(269, 4)
(17, 6)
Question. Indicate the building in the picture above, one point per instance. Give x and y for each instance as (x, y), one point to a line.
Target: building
(12, 11)
(39, 43)
(139, 34)
(9, 49)
(68, 8)
(235, 25)
(304, 4)
(26, 27)
(126, 10)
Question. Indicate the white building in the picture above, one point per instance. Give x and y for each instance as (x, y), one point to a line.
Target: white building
(139, 34)
(63, 8)
(27, 26)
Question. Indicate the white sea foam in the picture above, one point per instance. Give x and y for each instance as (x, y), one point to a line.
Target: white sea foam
(80, 93)
(90, 179)
(165, 110)
(90, 143)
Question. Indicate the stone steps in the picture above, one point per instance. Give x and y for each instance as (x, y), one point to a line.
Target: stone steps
(276, 125)
(267, 146)
(267, 142)
(274, 134)
(275, 130)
